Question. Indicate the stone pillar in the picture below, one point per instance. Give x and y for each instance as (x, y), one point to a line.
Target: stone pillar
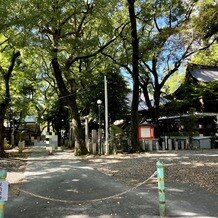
(187, 143)
(143, 144)
(182, 145)
(87, 134)
(112, 142)
(163, 146)
(166, 142)
(176, 145)
(150, 144)
(12, 139)
(94, 141)
(157, 145)
(170, 144)
(100, 143)
(21, 146)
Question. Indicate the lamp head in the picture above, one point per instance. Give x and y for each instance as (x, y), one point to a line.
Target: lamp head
(99, 101)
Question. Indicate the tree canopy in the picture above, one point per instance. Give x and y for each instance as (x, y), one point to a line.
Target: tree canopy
(67, 46)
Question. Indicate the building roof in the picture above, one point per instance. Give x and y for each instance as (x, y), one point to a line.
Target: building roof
(204, 73)
(30, 119)
(197, 114)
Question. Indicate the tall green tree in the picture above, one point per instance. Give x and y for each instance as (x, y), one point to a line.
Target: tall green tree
(90, 92)
(135, 75)
(126, 54)
(6, 69)
(70, 32)
(171, 37)
(11, 43)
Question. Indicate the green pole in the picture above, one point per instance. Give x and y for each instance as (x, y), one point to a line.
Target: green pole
(161, 189)
(3, 175)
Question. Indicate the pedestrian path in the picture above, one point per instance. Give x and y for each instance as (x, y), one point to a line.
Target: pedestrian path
(60, 185)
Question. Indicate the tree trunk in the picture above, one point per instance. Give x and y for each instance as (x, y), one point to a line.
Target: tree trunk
(6, 101)
(156, 114)
(80, 146)
(2, 152)
(3, 108)
(135, 76)
(70, 98)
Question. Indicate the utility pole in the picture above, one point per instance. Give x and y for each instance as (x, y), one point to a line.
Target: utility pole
(106, 116)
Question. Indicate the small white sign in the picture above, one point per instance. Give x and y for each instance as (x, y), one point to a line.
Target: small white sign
(145, 132)
(3, 190)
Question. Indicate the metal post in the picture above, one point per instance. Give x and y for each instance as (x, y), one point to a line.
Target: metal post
(3, 175)
(161, 189)
(106, 116)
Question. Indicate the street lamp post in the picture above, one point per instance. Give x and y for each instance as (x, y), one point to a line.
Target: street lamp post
(99, 102)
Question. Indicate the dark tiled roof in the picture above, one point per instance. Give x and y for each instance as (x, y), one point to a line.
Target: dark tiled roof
(204, 74)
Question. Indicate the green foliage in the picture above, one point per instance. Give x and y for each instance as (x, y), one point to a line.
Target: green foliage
(207, 20)
(78, 151)
(208, 57)
(206, 25)
(93, 89)
(116, 130)
(120, 140)
(173, 83)
(170, 33)
(58, 116)
(189, 96)
(191, 125)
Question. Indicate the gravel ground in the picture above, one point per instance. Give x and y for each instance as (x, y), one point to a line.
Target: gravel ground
(199, 167)
(15, 166)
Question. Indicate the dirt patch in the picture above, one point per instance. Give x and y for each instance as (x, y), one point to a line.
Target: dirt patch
(194, 167)
(15, 166)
